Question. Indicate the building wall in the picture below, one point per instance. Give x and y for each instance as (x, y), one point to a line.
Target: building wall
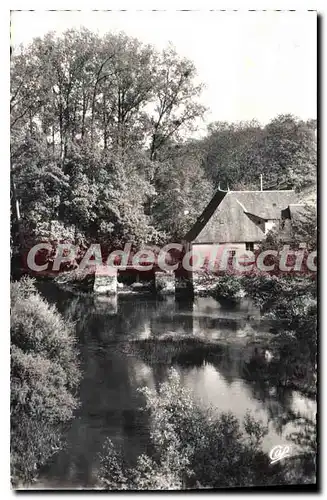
(205, 249)
(217, 252)
(214, 252)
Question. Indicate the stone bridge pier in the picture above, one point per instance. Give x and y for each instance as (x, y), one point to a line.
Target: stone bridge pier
(184, 284)
(179, 282)
(105, 280)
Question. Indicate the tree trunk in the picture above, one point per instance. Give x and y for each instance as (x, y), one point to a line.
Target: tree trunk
(18, 216)
(105, 132)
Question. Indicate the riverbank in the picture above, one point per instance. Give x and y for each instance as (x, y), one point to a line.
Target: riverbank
(285, 349)
(136, 346)
(285, 302)
(205, 284)
(259, 353)
(45, 375)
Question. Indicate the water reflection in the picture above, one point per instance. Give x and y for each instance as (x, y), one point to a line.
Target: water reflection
(231, 377)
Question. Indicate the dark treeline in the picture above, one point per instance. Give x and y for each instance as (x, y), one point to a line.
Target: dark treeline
(101, 133)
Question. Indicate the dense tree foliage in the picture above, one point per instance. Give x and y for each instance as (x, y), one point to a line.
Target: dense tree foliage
(195, 448)
(301, 229)
(101, 139)
(290, 301)
(44, 377)
(89, 118)
(283, 152)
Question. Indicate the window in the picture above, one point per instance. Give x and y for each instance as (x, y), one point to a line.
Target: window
(249, 247)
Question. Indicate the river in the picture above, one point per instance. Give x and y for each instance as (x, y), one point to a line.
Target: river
(110, 403)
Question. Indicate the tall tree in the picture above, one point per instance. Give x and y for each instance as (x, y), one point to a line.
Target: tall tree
(182, 190)
(176, 103)
(93, 112)
(284, 152)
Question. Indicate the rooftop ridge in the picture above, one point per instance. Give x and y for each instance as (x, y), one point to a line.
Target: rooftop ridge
(241, 204)
(265, 191)
(301, 204)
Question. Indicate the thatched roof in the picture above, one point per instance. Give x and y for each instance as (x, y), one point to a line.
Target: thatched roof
(205, 216)
(297, 211)
(239, 216)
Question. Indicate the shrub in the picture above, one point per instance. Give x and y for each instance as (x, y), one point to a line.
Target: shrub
(44, 377)
(292, 303)
(191, 447)
(229, 287)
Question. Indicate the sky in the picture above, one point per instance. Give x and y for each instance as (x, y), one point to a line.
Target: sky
(255, 65)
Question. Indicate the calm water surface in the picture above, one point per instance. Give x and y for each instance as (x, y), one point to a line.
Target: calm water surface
(110, 403)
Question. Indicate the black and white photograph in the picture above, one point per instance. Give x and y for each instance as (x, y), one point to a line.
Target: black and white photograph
(163, 250)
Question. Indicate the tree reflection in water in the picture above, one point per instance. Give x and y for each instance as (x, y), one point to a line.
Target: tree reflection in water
(134, 343)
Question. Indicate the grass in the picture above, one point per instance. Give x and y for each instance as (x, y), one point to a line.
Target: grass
(173, 348)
